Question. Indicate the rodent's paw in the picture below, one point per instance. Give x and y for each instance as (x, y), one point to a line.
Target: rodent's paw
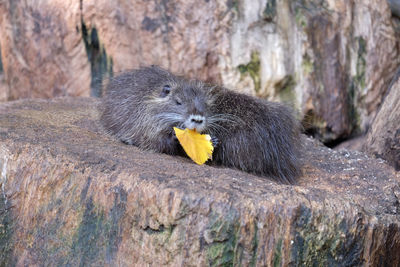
(168, 144)
(215, 141)
(172, 140)
(128, 142)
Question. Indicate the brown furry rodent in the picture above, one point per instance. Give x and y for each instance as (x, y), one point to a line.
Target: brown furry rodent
(141, 107)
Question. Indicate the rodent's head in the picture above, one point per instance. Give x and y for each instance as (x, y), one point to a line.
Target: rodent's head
(180, 102)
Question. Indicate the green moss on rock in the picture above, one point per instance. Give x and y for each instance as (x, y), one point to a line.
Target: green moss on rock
(6, 232)
(285, 89)
(361, 62)
(301, 19)
(223, 233)
(89, 240)
(253, 69)
(307, 65)
(354, 115)
(269, 12)
(332, 245)
(255, 246)
(277, 261)
(306, 10)
(357, 84)
(233, 4)
(92, 239)
(101, 64)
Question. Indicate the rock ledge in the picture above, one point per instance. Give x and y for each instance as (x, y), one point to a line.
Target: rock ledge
(72, 195)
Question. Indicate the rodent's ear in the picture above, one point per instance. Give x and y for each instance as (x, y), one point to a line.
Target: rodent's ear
(165, 90)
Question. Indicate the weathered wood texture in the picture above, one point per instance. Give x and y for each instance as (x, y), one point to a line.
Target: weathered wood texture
(71, 195)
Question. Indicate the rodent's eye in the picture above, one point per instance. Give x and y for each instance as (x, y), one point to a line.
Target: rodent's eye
(178, 102)
(165, 91)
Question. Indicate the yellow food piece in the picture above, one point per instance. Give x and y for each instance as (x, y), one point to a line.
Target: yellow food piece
(197, 146)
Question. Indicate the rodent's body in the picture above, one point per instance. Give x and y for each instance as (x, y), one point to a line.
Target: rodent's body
(141, 107)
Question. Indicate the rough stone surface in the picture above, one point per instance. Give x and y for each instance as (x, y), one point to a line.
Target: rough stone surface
(331, 59)
(356, 143)
(71, 195)
(383, 139)
(327, 57)
(42, 50)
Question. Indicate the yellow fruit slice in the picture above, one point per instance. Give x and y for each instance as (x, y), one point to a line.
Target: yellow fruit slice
(197, 146)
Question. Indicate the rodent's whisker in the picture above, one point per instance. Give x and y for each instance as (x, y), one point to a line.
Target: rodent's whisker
(217, 128)
(225, 118)
(173, 117)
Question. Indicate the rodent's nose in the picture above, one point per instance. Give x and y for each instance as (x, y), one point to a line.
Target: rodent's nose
(197, 122)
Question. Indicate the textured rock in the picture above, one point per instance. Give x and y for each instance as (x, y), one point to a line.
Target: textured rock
(356, 143)
(383, 139)
(42, 50)
(332, 59)
(71, 195)
(345, 50)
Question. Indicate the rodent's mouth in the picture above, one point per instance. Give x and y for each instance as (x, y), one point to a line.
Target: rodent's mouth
(202, 131)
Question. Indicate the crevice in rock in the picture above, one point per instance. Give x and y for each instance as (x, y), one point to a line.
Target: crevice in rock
(394, 7)
(152, 231)
(101, 65)
(1, 63)
(335, 142)
(165, 26)
(161, 229)
(312, 125)
(269, 12)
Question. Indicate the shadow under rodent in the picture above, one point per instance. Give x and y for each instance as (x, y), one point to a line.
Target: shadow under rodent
(142, 106)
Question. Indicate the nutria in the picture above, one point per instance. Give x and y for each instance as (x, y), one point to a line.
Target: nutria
(142, 106)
